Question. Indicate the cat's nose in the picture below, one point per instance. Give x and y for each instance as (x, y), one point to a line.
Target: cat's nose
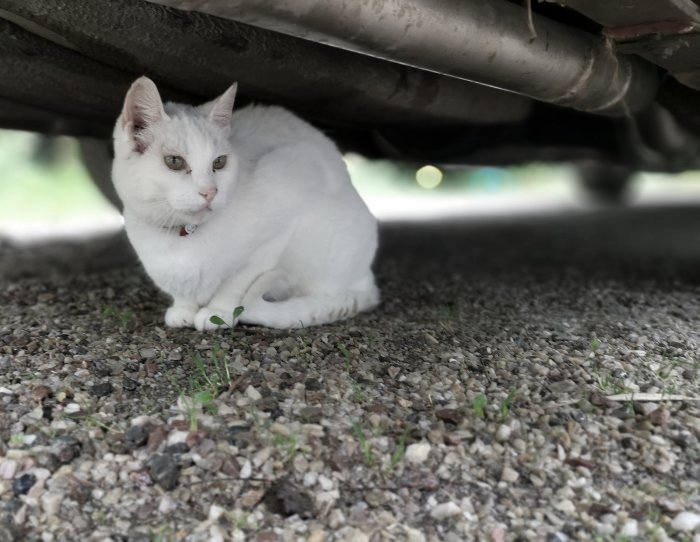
(209, 194)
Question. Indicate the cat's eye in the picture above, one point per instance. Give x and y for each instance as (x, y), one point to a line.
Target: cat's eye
(174, 162)
(219, 162)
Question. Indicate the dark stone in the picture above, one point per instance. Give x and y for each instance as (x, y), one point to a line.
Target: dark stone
(451, 415)
(164, 471)
(269, 404)
(101, 369)
(137, 435)
(102, 390)
(47, 460)
(423, 480)
(129, 384)
(285, 498)
(311, 414)
(312, 384)
(21, 485)
(622, 413)
(627, 442)
(177, 448)
(116, 444)
(67, 448)
(238, 435)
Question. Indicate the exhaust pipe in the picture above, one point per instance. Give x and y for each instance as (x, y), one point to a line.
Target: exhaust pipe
(495, 43)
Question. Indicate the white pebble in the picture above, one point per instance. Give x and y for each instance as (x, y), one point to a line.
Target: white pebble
(247, 470)
(8, 468)
(418, 452)
(215, 512)
(686, 521)
(565, 506)
(509, 475)
(326, 483)
(445, 510)
(71, 408)
(176, 437)
(356, 535)
(310, 479)
(252, 393)
(503, 433)
(630, 529)
(167, 504)
(42, 474)
(51, 503)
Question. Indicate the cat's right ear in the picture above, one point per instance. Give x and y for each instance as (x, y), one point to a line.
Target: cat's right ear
(142, 109)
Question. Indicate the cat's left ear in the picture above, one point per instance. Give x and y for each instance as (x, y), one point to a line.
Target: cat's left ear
(220, 110)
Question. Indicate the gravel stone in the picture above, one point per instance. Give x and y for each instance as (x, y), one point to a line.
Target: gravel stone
(418, 452)
(137, 435)
(541, 320)
(686, 521)
(164, 471)
(102, 390)
(22, 484)
(445, 510)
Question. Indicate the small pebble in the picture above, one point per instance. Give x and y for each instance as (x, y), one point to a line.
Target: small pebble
(164, 471)
(686, 521)
(22, 484)
(503, 433)
(509, 475)
(102, 390)
(417, 452)
(445, 510)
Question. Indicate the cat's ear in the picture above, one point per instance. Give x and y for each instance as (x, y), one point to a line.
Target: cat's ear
(142, 109)
(220, 110)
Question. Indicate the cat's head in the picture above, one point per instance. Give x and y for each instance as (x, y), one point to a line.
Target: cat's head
(173, 164)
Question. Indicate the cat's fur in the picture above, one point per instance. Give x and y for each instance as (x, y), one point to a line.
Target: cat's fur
(280, 230)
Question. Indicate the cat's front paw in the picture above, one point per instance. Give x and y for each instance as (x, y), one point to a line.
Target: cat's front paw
(202, 320)
(180, 316)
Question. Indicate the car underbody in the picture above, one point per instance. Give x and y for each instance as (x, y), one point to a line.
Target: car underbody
(613, 83)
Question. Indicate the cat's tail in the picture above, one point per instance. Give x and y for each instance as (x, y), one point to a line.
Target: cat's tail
(310, 310)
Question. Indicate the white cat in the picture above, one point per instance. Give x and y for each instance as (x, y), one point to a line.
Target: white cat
(251, 209)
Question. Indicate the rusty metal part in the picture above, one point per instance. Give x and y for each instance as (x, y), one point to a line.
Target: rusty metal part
(664, 32)
(634, 12)
(200, 55)
(487, 42)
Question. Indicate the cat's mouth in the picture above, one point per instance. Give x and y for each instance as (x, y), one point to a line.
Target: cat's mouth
(198, 215)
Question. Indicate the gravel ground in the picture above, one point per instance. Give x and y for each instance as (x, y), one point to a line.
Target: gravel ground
(474, 404)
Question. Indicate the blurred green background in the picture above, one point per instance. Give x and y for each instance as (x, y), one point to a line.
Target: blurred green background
(43, 181)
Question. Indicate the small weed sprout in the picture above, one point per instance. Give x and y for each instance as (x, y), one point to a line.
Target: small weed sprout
(364, 444)
(218, 321)
(346, 354)
(194, 405)
(507, 403)
(400, 451)
(288, 445)
(479, 406)
(595, 345)
(219, 377)
(125, 318)
(358, 393)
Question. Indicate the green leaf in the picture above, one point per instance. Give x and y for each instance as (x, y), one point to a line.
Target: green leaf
(204, 397)
(237, 312)
(479, 405)
(216, 320)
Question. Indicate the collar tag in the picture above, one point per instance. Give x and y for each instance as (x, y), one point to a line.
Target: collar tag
(187, 229)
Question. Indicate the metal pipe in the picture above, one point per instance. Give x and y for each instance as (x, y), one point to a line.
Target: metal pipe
(489, 42)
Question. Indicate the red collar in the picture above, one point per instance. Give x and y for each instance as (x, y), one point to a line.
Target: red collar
(187, 229)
